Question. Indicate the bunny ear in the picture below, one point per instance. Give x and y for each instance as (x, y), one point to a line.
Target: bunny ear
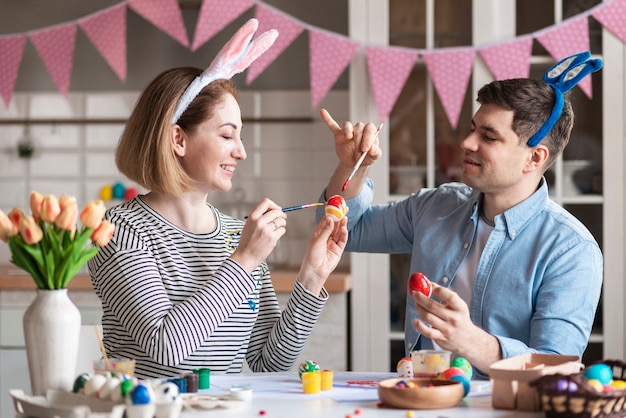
(234, 57)
(235, 46)
(256, 49)
(562, 77)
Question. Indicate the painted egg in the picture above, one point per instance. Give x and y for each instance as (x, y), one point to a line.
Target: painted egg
(464, 381)
(564, 385)
(166, 393)
(596, 384)
(405, 367)
(464, 365)
(106, 192)
(141, 394)
(79, 383)
(118, 190)
(601, 372)
(307, 366)
(418, 282)
(449, 372)
(112, 384)
(619, 384)
(94, 384)
(336, 207)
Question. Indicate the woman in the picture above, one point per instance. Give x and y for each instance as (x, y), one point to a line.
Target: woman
(182, 285)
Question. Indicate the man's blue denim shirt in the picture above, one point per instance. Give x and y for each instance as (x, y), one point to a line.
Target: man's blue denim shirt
(538, 280)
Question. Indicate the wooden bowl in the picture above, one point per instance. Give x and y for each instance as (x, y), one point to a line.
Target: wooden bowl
(428, 394)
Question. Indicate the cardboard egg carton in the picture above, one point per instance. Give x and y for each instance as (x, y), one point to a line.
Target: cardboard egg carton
(511, 377)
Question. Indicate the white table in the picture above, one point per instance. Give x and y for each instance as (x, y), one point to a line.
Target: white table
(279, 395)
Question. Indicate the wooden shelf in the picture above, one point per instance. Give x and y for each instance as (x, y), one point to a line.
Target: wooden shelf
(12, 278)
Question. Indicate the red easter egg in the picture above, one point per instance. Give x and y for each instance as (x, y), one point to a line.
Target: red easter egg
(418, 282)
(336, 201)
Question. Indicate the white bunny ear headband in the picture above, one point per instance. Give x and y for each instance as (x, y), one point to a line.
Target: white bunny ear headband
(234, 57)
(562, 77)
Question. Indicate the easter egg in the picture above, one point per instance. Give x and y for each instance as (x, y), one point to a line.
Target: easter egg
(130, 193)
(418, 282)
(79, 383)
(449, 372)
(307, 366)
(166, 393)
(619, 384)
(118, 191)
(596, 384)
(112, 384)
(563, 385)
(464, 365)
(405, 367)
(141, 394)
(464, 380)
(601, 372)
(336, 207)
(94, 384)
(106, 192)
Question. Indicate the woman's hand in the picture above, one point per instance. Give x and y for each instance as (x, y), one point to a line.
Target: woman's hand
(264, 227)
(323, 253)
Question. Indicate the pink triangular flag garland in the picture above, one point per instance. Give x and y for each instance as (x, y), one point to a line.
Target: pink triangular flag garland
(107, 31)
(566, 39)
(214, 16)
(288, 30)
(165, 15)
(11, 51)
(613, 17)
(329, 55)
(450, 72)
(56, 49)
(388, 70)
(510, 59)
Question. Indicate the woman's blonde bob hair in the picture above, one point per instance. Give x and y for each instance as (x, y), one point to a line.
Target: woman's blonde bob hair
(145, 152)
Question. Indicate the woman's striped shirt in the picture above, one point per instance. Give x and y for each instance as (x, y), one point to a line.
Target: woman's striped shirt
(175, 301)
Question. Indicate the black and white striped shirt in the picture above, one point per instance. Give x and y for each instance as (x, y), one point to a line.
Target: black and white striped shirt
(175, 301)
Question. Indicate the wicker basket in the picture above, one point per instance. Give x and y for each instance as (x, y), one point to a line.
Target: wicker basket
(586, 402)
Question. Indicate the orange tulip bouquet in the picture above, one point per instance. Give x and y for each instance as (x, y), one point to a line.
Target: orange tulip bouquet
(48, 244)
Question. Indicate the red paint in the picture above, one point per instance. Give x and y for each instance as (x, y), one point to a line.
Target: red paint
(345, 185)
(418, 282)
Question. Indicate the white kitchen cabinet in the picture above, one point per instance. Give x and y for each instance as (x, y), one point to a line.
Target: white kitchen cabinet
(419, 141)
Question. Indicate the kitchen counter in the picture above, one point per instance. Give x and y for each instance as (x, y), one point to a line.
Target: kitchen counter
(13, 278)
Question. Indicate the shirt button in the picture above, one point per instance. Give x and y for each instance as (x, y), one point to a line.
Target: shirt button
(465, 245)
(409, 345)
(513, 233)
(445, 280)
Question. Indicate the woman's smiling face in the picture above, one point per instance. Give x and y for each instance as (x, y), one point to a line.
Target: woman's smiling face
(214, 148)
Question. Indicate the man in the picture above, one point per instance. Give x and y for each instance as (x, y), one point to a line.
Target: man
(513, 272)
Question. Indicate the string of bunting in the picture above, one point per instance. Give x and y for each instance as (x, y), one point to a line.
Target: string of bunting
(329, 53)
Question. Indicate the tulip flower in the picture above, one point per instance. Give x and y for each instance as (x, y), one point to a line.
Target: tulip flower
(92, 214)
(16, 216)
(50, 208)
(36, 199)
(41, 245)
(29, 230)
(7, 229)
(69, 214)
(103, 234)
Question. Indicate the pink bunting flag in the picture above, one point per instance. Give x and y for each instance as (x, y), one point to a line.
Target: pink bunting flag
(329, 55)
(288, 30)
(450, 72)
(509, 59)
(612, 16)
(214, 16)
(566, 39)
(388, 70)
(165, 15)
(11, 51)
(107, 31)
(56, 49)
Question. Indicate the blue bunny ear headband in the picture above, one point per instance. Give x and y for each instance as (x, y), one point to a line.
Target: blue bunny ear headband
(562, 76)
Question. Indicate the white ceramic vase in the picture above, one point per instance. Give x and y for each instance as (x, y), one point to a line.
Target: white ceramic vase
(51, 331)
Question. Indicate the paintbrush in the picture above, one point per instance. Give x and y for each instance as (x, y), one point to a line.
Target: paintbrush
(358, 164)
(298, 207)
